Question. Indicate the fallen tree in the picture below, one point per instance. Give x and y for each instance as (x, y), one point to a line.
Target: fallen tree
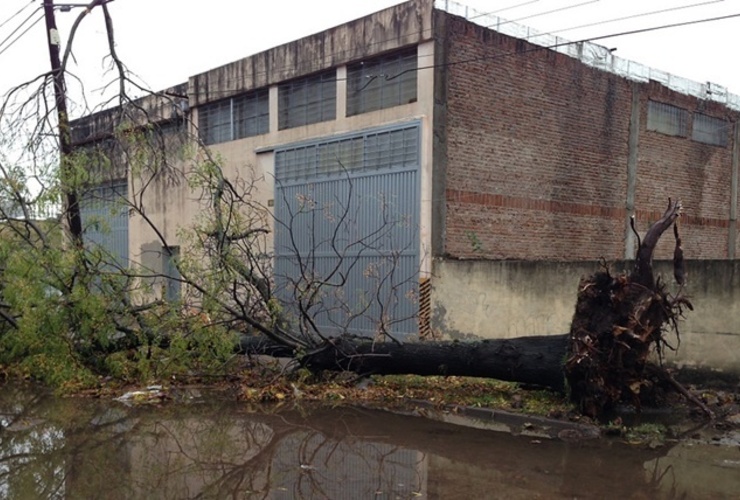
(71, 314)
(533, 360)
(620, 322)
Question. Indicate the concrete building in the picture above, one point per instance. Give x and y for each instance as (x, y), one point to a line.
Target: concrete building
(507, 168)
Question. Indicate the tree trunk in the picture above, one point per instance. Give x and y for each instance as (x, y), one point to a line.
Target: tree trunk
(534, 360)
(619, 322)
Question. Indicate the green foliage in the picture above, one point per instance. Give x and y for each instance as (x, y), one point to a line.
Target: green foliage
(475, 242)
(45, 346)
(76, 318)
(68, 319)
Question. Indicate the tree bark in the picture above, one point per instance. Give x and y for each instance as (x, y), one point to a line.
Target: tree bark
(536, 360)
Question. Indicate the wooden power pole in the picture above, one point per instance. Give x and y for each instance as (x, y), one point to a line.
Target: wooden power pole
(71, 202)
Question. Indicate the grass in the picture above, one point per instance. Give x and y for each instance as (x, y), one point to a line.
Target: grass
(393, 390)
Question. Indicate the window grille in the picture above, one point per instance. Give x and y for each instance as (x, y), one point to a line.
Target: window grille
(363, 152)
(105, 216)
(307, 100)
(382, 82)
(241, 116)
(667, 119)
(172, 275)
(709, 130)
(251, 114)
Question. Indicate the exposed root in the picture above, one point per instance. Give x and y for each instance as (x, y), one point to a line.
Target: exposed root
(619, 322)
(676, 385)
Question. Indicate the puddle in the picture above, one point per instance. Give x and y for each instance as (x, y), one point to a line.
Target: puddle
(78, 448)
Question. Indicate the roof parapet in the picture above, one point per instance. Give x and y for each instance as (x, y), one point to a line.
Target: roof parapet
(593, 55)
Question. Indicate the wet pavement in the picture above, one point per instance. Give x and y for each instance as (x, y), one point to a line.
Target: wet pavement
(200, 447)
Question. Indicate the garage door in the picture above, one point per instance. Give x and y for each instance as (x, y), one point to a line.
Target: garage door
(347, 231)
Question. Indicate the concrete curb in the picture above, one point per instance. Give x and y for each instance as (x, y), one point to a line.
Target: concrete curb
(517, 424)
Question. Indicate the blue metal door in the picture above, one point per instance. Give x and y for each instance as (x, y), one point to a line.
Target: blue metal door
(347, 232)
(104, 213)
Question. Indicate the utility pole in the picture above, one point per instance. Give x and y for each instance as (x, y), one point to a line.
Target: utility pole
(71, 203)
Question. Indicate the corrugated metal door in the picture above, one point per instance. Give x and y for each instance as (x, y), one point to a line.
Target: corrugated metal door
(105, 220)
(347, 231)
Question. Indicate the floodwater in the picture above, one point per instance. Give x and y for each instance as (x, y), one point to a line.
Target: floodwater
(212, 448)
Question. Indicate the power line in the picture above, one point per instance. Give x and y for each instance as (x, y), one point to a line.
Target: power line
(511, 7)
(19, 27)
(16, 14)
(560, 9)
(584, 40)
(633, 16)
(19, 36)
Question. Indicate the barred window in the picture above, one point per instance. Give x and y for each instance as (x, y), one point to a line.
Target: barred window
(382, 82)
(172, 286)
(667, 119)
(251, 114)
(307, 100)
(709, 130)
(241, 116)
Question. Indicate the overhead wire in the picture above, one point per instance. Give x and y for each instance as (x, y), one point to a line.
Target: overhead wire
(566, 43)
(41, 17)
(494, 12)
(625, 18)
(18, 28)
(16, 14)
(553, 11)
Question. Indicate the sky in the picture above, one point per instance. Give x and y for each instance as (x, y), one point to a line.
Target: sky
(166, 41)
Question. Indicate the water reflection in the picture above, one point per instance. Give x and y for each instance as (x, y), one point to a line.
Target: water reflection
(68, 448)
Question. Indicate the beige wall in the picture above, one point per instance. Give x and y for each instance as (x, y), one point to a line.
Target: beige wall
(175, 207)
(504, 299)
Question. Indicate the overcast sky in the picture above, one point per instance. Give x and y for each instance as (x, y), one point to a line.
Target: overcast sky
(165, 41)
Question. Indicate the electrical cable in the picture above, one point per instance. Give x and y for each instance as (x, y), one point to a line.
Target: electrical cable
(21, 35)
(566, 43)
(494, 12)
(560, 9)
(16, 14)
(20, 26)
(624, 18)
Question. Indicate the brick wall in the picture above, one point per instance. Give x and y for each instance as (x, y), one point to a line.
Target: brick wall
(536, 154)
(697, 173)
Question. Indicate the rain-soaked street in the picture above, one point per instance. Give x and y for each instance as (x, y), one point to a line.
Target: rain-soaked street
(214, 448)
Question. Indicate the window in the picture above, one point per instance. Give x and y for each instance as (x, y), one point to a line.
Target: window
(307, 100)
(709, 130)
(172, 285)
(241, 116)
(667, 119)
(382, 82)
(366, 152)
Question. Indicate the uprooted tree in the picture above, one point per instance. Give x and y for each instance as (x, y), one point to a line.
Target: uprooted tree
(618, 330)
(73, 312)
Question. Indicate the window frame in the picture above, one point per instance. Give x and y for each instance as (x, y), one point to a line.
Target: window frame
(172, 285)
(307, 100)
(715, 133)
(667, 119)
(382, 82)
(232, 116)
